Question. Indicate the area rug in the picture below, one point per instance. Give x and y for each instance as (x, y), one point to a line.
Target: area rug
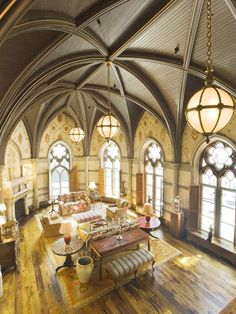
(78, 295)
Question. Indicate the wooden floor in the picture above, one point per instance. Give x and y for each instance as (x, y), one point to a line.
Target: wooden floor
(194, 282)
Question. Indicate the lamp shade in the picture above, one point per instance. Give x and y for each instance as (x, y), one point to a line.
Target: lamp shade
(2, 220)
(2, 207)
(209, 110)
(92, 185)
(108, 126)
(148, 209)
(76, 134)
(66, 227)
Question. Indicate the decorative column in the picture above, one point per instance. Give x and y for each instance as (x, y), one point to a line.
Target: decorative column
(86, 173)
(129, 192)
(2, 169)
(35, 182)
(175, 179)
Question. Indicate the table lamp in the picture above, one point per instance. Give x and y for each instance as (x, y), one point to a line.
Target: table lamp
(66, 228)
(92, 186)
(148, 211)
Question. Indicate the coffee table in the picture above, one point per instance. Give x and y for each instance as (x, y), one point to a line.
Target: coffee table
(111, 245)
(148, 227)
(60, 248)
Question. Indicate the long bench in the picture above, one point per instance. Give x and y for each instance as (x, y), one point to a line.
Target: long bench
(128, 264)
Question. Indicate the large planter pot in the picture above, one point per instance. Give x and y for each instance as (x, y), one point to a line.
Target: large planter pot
(84, 268)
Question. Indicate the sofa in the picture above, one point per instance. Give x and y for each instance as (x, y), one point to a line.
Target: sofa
(74, 202)
(118, 210)
(51, 224)
(88, 235)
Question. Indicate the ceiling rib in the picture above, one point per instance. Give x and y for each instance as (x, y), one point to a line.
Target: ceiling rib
(172, 62)
(129, 97)
(232, 7)
(14, 15)
(155, 10)
(153, 89)
(195, 18)
(88, 75)
(96, 11)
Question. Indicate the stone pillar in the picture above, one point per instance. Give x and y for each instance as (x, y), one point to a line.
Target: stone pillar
(35, 182)
(129, 192)
(2, 169)
(86, 173)
(175, 180)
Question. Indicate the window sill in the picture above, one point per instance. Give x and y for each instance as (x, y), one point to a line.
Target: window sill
(221, 248)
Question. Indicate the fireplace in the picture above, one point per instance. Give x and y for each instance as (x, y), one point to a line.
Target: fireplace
(19, 209)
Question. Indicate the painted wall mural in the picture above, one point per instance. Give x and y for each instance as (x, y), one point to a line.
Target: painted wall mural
(59, 129)
(21, 138)
(191, 139)
(151, 127)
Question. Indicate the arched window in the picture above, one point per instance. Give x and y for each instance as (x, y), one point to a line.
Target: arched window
(154, 177)
(218, 190)
(111, 166)
(59, 165)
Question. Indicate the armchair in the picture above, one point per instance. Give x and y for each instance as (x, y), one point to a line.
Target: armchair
(117, 210)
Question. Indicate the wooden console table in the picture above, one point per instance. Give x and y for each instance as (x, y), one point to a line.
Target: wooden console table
(111, 245)
(7, 253)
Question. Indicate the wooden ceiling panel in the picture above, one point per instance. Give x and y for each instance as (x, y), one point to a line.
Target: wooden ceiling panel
(169, 31)
(223, 42)
(114, 23)
(134, 87)
(75, 76)
(71, 8)
(72, 45)
(16, 53)
(167, 79)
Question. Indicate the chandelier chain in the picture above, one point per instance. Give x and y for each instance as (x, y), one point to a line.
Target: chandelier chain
(108, 86)
(209, 14)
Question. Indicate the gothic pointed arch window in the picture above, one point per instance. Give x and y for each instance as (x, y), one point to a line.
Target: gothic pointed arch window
(153, 162)
(59, 169)
(218, 190)
(111, 166)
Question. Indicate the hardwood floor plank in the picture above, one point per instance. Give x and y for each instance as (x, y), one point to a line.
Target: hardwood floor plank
(193, 282)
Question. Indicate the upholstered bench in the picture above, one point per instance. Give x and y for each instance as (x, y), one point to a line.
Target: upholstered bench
(129, 263)
(86, 217)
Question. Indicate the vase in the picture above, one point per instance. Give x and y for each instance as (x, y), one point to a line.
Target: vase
(84, 268)
(147, 218)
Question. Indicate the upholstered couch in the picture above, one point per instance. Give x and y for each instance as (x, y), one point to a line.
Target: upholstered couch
(87, 235)
(74, 202)
(51, 224)
(117, 210)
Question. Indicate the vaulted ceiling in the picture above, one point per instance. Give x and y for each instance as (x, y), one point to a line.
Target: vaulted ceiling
(53, 58)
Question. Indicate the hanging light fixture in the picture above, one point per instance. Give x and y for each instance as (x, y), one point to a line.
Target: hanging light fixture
(108, 125)
(210, 109)
(76, 134)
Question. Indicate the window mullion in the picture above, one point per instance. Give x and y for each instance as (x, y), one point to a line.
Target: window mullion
(217, 208)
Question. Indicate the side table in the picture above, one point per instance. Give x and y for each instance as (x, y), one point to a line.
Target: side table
(60, 248)
(148, 227)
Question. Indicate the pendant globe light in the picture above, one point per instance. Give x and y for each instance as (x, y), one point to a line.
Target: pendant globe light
(108, 125)
(210, 109)
(76, 134)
